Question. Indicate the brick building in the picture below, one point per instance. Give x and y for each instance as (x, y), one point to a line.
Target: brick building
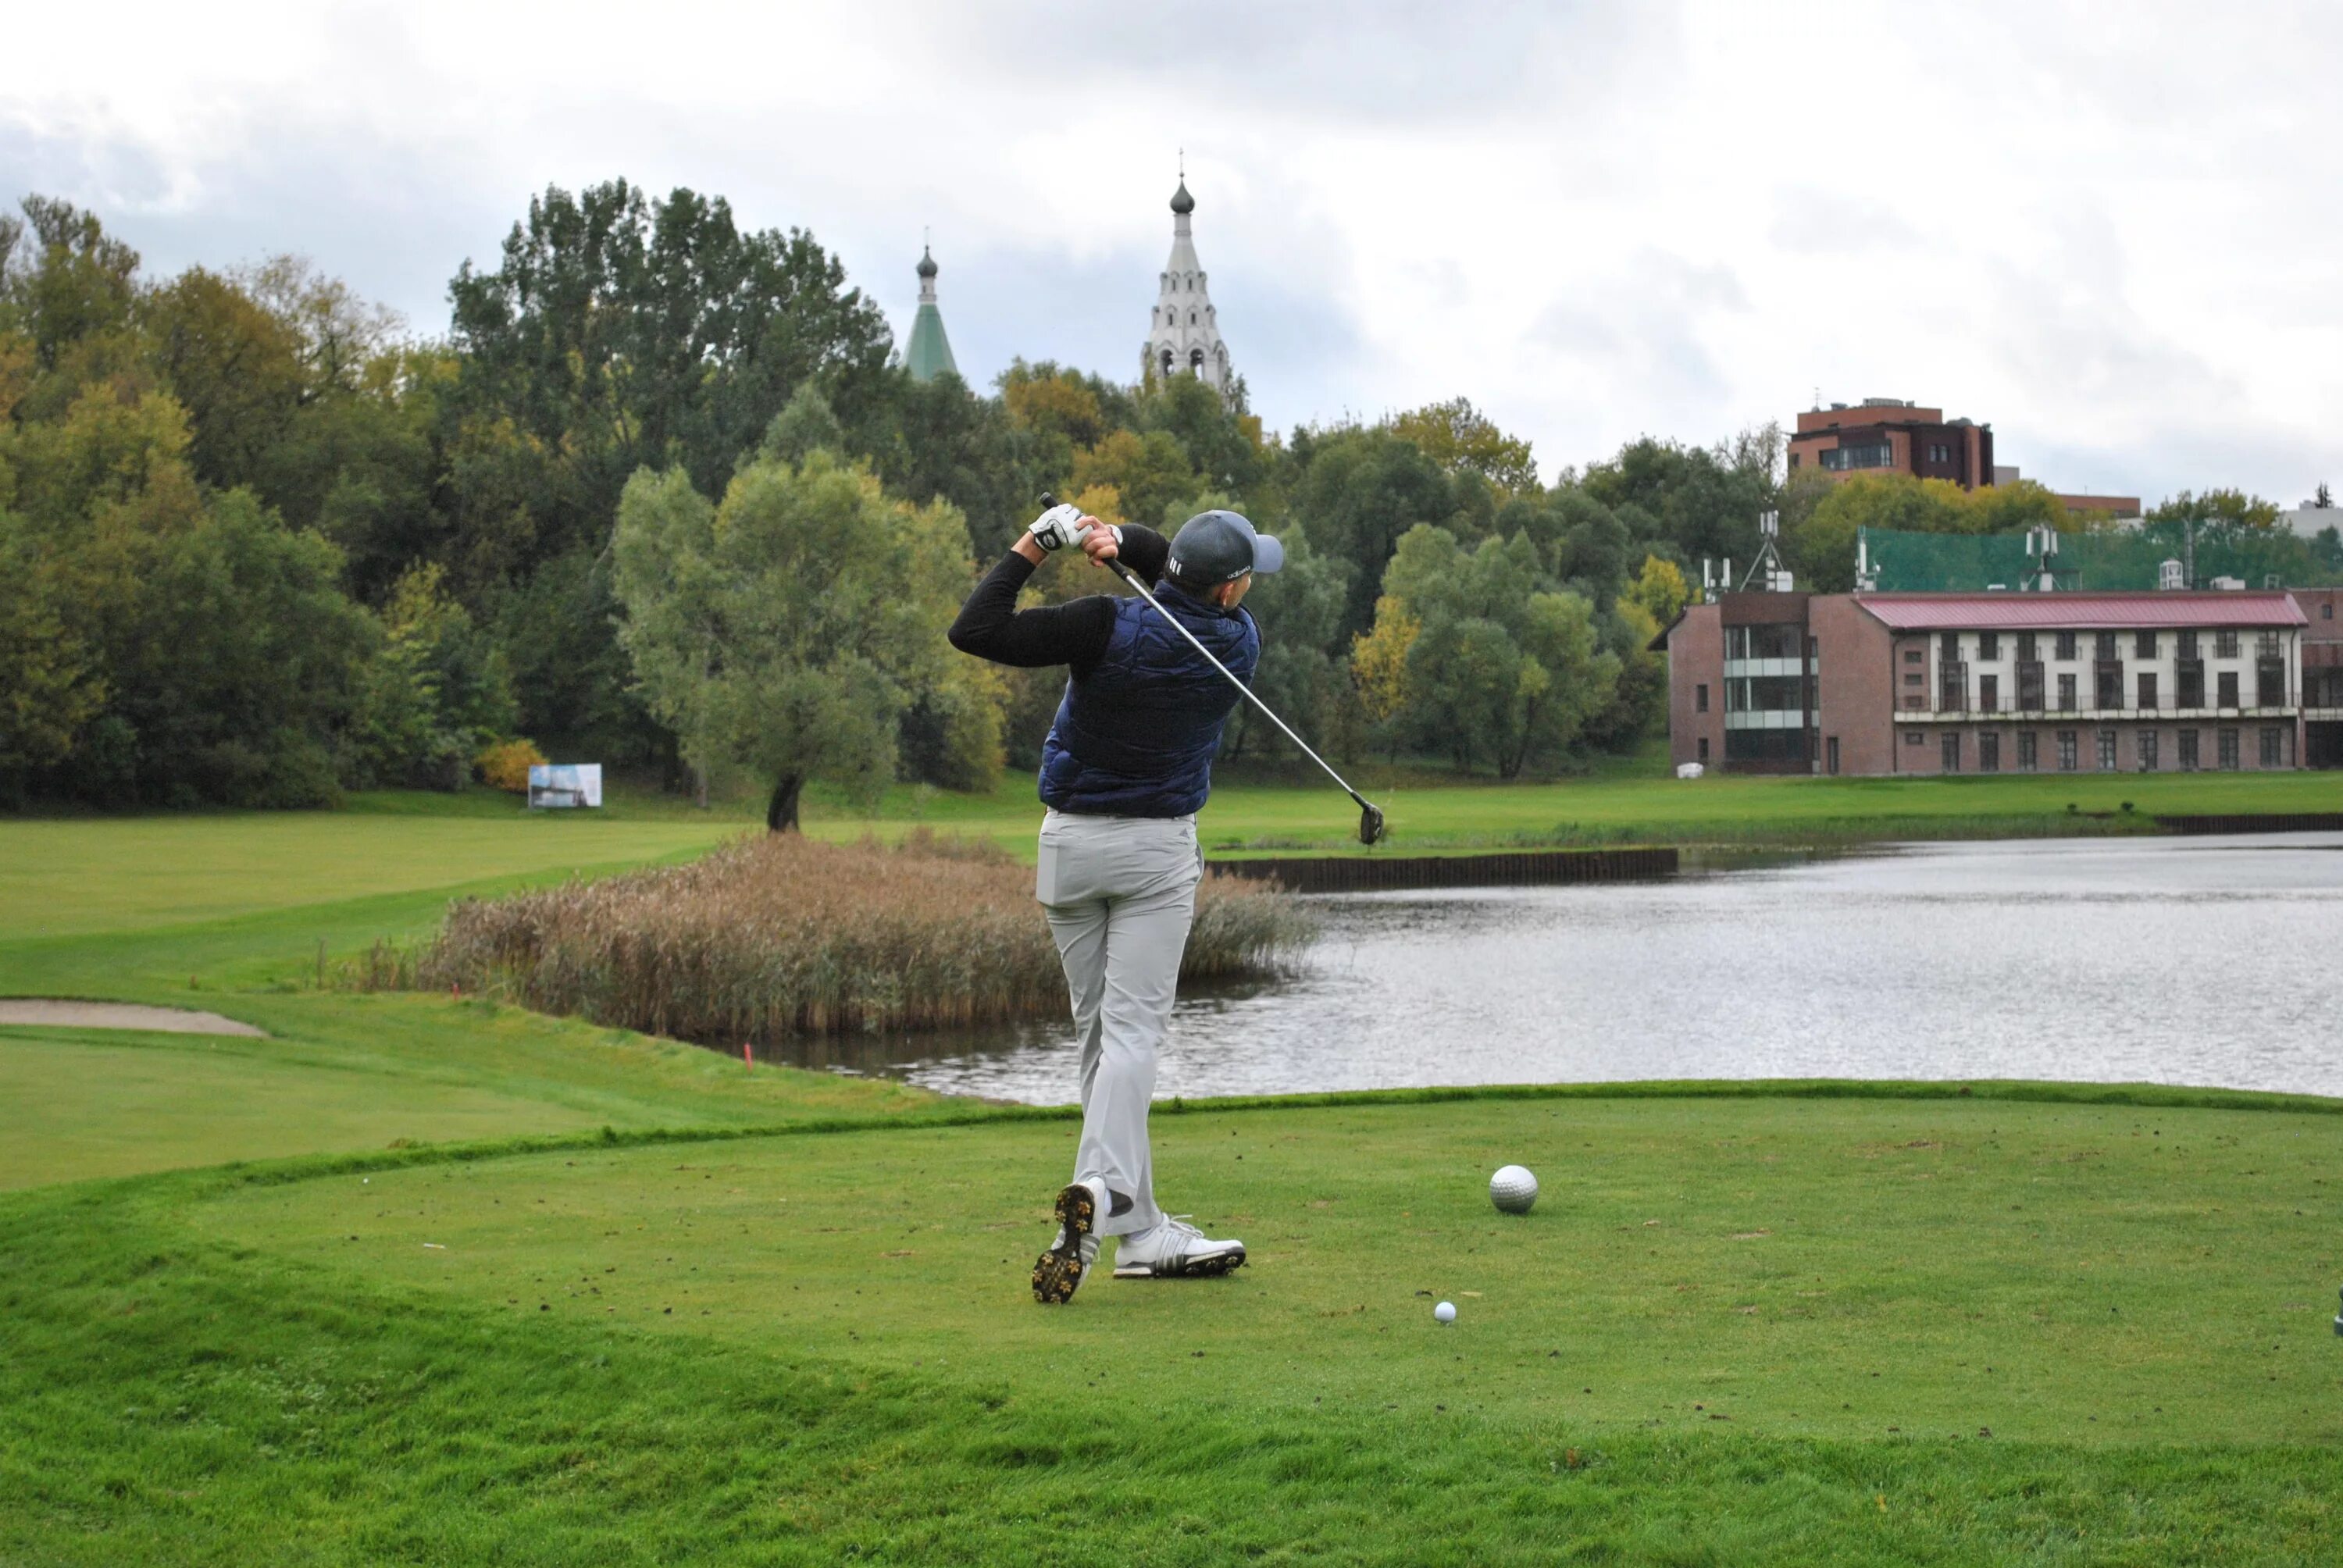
(1889, 436)
(1890, 683)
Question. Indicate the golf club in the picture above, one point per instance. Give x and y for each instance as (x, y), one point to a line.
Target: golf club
(1370, 815)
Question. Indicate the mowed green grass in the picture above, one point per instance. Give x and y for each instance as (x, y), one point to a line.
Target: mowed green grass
(1750, 1330)
(1637, 803)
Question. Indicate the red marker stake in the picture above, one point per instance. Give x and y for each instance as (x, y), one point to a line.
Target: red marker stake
(745, 1059)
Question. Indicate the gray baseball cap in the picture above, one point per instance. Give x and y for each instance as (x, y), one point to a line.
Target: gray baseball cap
(1219, 546)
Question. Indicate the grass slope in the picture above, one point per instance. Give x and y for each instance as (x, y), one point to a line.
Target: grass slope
(807, 1348)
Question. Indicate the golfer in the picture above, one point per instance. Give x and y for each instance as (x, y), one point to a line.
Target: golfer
(1128, 762)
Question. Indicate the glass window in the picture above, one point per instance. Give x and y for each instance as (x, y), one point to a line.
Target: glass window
(2066, 692)
(1988, 645)
(1988, 693)
(2228, 741)
(1988, 753)
(2026, 646)
(1700, 698)
(1914, 737)
(1952, 749)
(2106, 750)
(1912, 655)
(2225, 645)
(2229, 689)
(2145, 741)
(2269, 683)
(2188, 645)
(2148, 690)
(2104, 645)
(2273, 746)
(1914, 678)
(2027, 742)
(2144, 646)
(2066, 645)
(1704, 749)
(2188, 751)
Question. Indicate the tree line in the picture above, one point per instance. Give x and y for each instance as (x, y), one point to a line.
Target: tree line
(660, 494)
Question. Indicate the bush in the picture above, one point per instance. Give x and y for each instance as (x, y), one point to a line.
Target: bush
(505, 766)
(778, 935)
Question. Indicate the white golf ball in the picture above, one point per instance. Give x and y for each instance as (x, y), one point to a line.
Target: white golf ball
(1512, 1189)
(1445, 1311)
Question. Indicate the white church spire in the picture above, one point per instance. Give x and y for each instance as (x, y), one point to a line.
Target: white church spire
(1183, 336)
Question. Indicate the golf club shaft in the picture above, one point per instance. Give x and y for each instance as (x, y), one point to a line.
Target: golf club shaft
(1126, 575)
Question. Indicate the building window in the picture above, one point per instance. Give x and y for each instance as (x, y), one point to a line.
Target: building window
(2029, 685)
(2104, 645)
(1951, 747)
(2028, 757)
(2145, 741)
(1912, 655)
(2327, 610)
(2065, 751)
(2188, 645)
(1794, 462)
(1842, 459)
(2148, 691)
(2228, 741)
(2269, 683)
(1948, 646)
(2188, 751)
(1988, 753)
(2192, 685)
(2066, 693)
(2228, 680)
(1915, 737)
(2273, 746)
(2110, 686)
(2106, 750)
(1988, 645)
(2144, 646)
(1988, 693)
(1914, 678)
(2266, 645)
(2225, 645)
(1831, 751)
(1700, 698)
(2026, 646)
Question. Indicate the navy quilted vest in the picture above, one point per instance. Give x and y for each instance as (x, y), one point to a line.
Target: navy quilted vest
(1135, 737)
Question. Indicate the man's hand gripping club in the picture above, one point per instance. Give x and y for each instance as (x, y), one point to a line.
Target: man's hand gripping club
(1064, 525)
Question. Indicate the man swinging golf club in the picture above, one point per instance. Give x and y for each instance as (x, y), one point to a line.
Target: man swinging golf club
(1128, 762)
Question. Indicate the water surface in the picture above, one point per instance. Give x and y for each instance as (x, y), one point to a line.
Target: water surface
(2210, 962)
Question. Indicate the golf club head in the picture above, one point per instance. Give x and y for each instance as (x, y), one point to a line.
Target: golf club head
(1371, 824)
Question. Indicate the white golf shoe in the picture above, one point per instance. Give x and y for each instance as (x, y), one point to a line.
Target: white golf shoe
(1176, 1249)
(1058, 1272)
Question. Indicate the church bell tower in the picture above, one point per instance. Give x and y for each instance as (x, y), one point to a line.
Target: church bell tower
(1182, 337)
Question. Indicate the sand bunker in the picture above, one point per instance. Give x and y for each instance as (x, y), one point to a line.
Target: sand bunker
(122, 1015)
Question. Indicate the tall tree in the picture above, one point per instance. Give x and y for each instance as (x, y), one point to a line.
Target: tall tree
(787, 631)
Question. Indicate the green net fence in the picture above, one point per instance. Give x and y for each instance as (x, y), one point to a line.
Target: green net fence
(1905, 562)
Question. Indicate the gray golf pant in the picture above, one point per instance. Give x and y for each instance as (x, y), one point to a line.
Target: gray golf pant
(1119, 892)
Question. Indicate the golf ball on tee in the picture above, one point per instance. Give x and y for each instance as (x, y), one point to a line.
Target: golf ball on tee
(1444, 1312)
(1514, 1189)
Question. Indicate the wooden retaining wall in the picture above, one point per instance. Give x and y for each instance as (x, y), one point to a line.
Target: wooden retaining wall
(2263, 822)
(1359, 874)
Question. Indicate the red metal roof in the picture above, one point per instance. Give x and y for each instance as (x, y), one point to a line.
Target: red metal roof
(2080, 611)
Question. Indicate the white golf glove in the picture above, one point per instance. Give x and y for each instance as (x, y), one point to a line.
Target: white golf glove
(1061, 526)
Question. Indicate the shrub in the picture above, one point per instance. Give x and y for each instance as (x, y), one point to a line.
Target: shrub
(778, 935)
(505, 766)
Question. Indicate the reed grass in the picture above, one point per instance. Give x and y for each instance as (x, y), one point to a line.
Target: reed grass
(778, 935)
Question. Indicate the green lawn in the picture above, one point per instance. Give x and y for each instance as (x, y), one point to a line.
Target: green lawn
(509, 1289)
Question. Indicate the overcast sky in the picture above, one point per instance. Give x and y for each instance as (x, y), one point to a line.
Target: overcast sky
(2109, 230)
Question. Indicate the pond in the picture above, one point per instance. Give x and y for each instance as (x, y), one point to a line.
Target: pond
(2207, 962)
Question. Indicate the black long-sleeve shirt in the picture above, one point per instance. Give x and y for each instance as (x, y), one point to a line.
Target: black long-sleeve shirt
(1075, 633)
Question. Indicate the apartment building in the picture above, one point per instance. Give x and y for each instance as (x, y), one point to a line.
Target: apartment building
(1890, 683)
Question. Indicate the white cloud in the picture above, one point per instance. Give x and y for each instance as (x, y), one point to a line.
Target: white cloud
(2108, 232)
